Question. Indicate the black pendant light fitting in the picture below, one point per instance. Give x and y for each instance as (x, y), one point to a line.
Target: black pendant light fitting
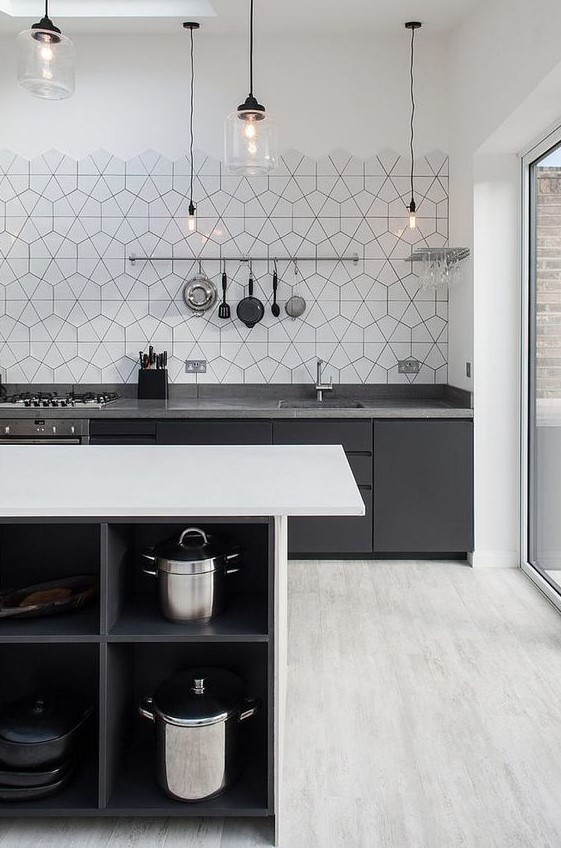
(250, 133)
(251, 109)
(45, 31)
(192, 26)
(413, 26)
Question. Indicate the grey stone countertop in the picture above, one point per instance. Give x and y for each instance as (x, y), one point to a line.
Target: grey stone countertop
(272, 402)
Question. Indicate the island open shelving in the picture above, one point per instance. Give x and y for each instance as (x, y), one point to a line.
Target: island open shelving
(121, 648)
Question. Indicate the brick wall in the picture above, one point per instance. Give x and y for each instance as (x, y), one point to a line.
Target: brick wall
(548, 279)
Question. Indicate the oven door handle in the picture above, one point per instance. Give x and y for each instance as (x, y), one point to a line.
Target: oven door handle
(6, 440)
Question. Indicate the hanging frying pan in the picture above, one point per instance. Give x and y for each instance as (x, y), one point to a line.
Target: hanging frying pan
(250, 310)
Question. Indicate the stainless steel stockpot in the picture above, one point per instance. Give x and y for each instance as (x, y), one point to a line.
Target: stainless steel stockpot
(198, 715)
(192, 573)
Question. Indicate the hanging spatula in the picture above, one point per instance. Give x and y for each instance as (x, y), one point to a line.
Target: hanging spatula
(224, 308)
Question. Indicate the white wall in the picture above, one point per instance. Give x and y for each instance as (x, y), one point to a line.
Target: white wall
(504, 92)
(496, 59)
(326, 93)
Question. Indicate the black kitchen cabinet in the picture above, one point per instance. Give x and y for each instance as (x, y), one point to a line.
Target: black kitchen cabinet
(333, 536)
(122, 432)
(226, 432)
(423, 486)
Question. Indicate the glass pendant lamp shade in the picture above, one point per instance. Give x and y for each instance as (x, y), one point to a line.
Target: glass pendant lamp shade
(251, 140)
(46, 60)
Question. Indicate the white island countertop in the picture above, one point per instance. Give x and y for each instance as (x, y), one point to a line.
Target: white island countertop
(111, 481)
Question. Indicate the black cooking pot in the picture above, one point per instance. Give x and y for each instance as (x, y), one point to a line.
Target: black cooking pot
(41, 730)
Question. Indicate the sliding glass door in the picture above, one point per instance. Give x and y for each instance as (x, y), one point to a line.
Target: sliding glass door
(542, 450)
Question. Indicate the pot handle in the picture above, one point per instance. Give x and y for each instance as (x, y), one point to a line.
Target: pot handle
(146, 709)
(235, 557)
(150, 558)
(189, 532)
(251, 706)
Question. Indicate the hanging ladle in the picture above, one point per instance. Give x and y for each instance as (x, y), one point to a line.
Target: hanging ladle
(275, 308)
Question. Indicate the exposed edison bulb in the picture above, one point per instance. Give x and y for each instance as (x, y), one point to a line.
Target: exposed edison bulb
(46, 53)
(192, 220)
(250, 131)
(412, 214)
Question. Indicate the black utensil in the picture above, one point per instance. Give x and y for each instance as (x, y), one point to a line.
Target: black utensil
(141, 360)
(250, 310)
(275, 308)
(224, 308)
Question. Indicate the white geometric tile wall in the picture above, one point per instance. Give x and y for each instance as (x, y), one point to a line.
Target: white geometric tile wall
(74, 309)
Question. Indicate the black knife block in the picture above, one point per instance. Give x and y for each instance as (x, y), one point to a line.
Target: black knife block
(153, 384)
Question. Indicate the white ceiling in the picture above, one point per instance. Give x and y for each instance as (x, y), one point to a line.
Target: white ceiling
(273, 16)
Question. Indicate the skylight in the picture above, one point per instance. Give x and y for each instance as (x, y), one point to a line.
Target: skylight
(111, 8)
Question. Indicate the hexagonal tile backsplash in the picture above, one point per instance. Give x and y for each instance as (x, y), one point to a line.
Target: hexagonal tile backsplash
(74, 309)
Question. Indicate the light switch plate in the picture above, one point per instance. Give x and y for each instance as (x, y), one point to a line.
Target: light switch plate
(409, 366)
(195, 366)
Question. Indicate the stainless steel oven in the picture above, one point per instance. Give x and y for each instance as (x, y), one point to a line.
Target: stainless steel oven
(44, 431)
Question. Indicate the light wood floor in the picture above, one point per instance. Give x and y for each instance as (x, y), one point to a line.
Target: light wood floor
(424, 712)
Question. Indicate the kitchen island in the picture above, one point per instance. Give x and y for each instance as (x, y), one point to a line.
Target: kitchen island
(95, 510)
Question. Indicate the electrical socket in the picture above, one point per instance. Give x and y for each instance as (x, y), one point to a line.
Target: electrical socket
(409, 366)
(468, 369)
(195, 366)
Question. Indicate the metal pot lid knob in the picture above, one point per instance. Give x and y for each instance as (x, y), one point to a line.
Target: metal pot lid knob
(198, 687)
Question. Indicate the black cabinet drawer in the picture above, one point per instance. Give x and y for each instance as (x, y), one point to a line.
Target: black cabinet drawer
(122, 428)
(361, 466)
(351, 535)
(353, 435)
(423, 486)
(229, 432)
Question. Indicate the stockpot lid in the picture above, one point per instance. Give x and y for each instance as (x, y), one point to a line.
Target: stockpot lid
(194, 552)
(44, 717)
(199, 697)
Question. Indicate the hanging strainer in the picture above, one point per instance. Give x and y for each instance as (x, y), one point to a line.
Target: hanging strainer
(295, 306)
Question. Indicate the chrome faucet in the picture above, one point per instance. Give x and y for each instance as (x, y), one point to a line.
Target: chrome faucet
(322, 387)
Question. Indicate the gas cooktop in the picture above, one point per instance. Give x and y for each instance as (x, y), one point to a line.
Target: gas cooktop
(51, 400)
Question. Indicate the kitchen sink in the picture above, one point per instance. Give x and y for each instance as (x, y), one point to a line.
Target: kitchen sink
(320, 404)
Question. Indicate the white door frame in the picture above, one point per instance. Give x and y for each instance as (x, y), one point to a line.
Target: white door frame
(538, 149)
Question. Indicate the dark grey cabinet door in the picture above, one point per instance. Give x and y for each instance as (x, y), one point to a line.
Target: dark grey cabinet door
(333, 536)
(122, 432)
(353, 435)
(228, 432)
(423, 486)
